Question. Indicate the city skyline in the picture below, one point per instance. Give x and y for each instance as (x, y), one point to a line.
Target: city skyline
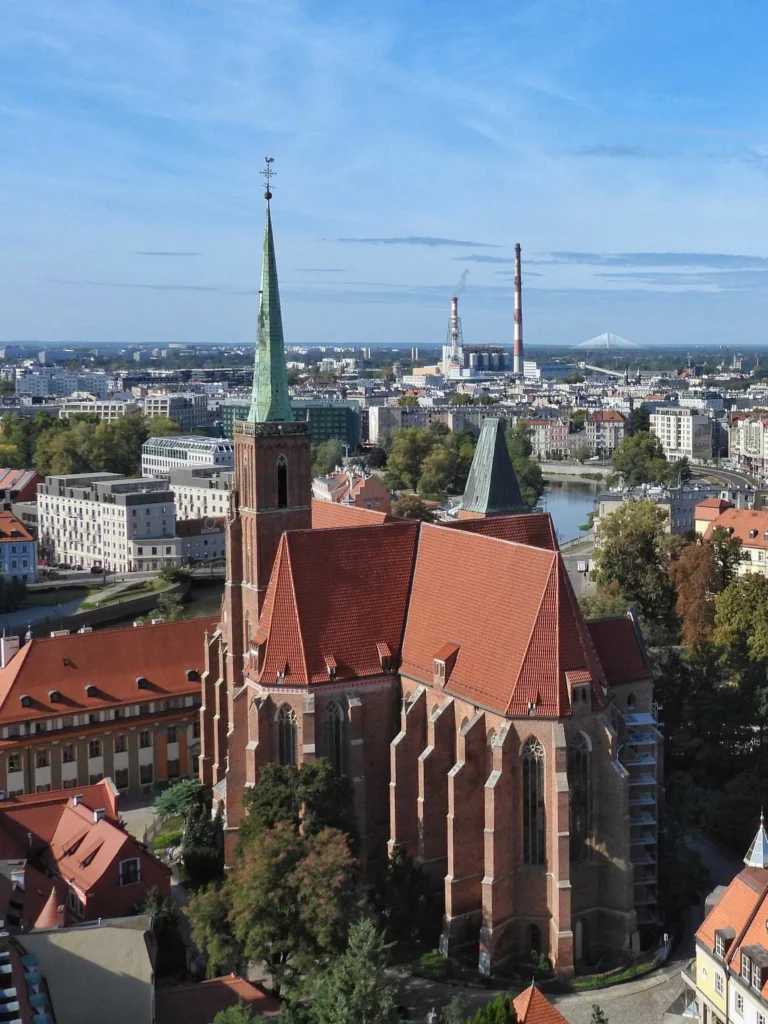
(620, 144)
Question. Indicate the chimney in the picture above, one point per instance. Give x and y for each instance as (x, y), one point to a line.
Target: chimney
(518, 336)
(77, 799)
(98, 814)
(9, 645)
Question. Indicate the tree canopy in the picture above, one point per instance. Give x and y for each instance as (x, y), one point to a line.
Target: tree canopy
(327, 456)
(640, 459)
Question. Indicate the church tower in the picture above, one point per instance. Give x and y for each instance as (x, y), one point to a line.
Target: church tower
(271, 494)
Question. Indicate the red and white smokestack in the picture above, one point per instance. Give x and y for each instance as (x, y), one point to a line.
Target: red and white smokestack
(518, 337)
(453, 328)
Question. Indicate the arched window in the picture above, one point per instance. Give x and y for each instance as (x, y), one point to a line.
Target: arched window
(334, 747)
(534, 844)
(287, 736)
(282, 482)
(631, 701)
(534, 938)
(244, 481)
(580, 786)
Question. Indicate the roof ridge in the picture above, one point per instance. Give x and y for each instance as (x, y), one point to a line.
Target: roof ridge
(753, 913)
(490, 537)
(299, 623)
(118, 629)
(534, 624)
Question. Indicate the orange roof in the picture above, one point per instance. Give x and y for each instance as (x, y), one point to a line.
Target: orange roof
(735, 907)
(111, 660)
(754, 932)
(618, 649)
(711, 508)
(541, 633)
(606, 416)
(84, 849)
(363, 577)
(532, 528)
(12, 529)
(199, 1003)
(742, 523)
(328, 514)
(49, 915)
(533, 1007)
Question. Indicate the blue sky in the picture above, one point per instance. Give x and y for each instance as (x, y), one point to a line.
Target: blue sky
(622, 142)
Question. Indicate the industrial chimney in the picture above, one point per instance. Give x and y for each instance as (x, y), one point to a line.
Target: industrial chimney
(453, 327)
(518, 336)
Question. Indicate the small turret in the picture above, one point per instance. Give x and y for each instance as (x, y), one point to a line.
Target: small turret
(757, 855)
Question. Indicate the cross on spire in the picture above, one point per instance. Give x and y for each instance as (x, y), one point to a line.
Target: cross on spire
(268, 174)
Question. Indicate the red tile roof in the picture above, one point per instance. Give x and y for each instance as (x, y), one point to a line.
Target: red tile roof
(111, 660)
(607, 416)
(12, 529)
(735, 907)
(336, 594)
(619, 649)
(326, 514)
(533, 1007)
(533, 528)
(740, 522)
(539, 633)
(199, 1004)
(22, 483)
(49, 915)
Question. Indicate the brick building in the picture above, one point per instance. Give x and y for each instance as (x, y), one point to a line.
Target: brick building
(605, 431)
(506, 744)
(119, 703)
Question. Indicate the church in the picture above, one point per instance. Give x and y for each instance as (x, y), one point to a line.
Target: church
(508, 745)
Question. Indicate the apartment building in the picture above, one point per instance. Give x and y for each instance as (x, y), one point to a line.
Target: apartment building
(187, 408)
(163, 455)
(605, 431)
(684, 433)
(750, 526)
(122, 524)
(18, 551)
(202, 540)
(119, 703)
(548, 435)
(748, 442)
(109, 409)
(54, 380)
(200, 493)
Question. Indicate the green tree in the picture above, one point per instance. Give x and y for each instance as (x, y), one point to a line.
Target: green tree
(407, 903)
(528, 472)
(638, 420)
(178, 798)
(438, 472)
(10, 456)
(632, 558)
(680, 472)
(376, 458)
(354, 989)
(728, 556)
(239, 1014)
(500, 1011)
(578, 420)
(407, 401)
(460, 399)
(598, 1016)
(210, 927)
(640, 459)
(409, 449)
(327, 456)
(605, 603)
(202, 845)
(170, 607)
(410, 506)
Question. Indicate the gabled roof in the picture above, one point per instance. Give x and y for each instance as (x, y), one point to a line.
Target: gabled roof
(492, 487)
(740, 523)
(719, 504)
(619, 649)
(111, 660)
(533, 1007)
(330, 514)
(199, 1003)
(605, 416)
(520, 655)
(12, 528)
(735, 907)
(336, 594)
(533, 528)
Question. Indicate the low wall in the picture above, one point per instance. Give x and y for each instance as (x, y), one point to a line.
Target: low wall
(97, 616)
(574, 471)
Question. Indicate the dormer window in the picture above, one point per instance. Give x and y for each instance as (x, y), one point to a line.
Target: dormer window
(746, 968)
(385, 657)
(330, 666)
(443, 663)
(54, 696)
(142, 683)
(757, 977)
(91, 690)
(723, 939)
(25, 701)
(719, 946)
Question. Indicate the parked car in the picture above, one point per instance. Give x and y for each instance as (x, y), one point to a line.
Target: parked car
(98, 568)
(63, 565)
(79, 568)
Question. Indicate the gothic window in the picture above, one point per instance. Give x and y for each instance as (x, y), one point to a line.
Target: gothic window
(244, 487)
(580, 786)
(534, 938)
(282, 482)
(287, 736)
(333, 736)
(534, 844)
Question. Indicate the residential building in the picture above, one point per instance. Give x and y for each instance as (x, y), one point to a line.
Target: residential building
(200, 493)
(54, 380)
(202, 540)
(119, 703)
(486, 728)
(199, 1003)
(188, 409)
(729, 982)
(122, 524)
(547, 436)
(18, 485)
(748, 442)
(109, 409)
(387, 418)
(74, 859)
(18, 551)
(751, 528)
(680, 504)
(163, 455)
(684, 433)
(706, 511)
(605, 431)
(354, 487)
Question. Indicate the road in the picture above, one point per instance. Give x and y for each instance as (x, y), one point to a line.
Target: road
(729, 475)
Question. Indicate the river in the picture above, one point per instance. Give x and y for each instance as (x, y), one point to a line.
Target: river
(569, 503)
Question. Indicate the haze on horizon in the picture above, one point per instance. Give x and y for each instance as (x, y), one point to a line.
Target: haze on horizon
(622, 143)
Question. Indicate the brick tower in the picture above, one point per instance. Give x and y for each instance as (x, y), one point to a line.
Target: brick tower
(271, 494)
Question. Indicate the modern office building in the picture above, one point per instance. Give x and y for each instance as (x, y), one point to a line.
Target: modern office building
(163, 455)
(188, 409)
(337, 420)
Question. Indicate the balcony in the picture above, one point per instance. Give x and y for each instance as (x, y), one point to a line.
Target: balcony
(644, 779)
(642, 800)
(643, 839)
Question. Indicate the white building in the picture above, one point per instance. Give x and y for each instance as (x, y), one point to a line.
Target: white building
(201, 493)
(684, 433)
(54, 380)
(109, 520)
(109, 409)
(163, 455)
(188, 409)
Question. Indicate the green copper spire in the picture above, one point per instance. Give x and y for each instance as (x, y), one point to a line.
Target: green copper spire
(492, 488)
(269, 398)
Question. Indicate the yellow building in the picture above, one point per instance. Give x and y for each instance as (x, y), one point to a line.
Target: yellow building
(730, 979)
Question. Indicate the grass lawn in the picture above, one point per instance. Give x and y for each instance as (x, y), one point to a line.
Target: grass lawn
(129, 594)
(170, 834)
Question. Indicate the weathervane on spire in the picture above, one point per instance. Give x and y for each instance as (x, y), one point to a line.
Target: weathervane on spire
(268, 174)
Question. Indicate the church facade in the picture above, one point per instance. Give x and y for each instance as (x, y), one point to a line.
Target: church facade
(509, 746)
